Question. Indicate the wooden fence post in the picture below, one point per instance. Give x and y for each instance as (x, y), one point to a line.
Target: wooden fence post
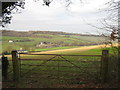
(104, 66)
(5, 64)
(16, 66)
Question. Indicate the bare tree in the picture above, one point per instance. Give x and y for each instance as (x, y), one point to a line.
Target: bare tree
(112, 24)
(7, 8)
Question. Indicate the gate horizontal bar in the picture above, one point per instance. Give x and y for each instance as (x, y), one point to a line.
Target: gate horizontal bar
(56, 60)
(38, 60)
(73, 79)
(46, 65)
(52, 66)
(66, 55)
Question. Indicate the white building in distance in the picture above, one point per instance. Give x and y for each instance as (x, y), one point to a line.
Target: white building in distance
(10, 41)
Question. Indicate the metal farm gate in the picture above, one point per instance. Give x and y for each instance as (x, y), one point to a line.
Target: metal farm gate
(56, 70)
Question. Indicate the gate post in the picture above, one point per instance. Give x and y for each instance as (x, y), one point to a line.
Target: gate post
(104, 66)
(16, 66)
(5, 64)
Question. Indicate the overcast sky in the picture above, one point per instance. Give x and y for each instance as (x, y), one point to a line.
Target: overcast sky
(57, 17)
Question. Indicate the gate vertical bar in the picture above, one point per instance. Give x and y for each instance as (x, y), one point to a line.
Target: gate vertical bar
(19, 62)
(58, 71)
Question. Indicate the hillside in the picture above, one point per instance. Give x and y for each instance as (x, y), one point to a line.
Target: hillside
(33, 40)
(36, 33)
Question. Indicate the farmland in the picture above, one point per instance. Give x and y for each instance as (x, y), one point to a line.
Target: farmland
(61, 70)
(69, 74)
(58, 40)
(36, 77)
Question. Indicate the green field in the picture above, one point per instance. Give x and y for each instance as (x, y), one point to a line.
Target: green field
(44, 71)
(88, 52)
(76, 71)
(73, 70)
(61, 42)
(55, 40)
(56, 48)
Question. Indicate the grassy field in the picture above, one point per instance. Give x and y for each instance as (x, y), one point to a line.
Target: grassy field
(73, 71)
(97, 51)
(60, 40)
(50, 71)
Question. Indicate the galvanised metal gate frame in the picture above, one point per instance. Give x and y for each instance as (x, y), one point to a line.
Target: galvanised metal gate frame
(58, 56)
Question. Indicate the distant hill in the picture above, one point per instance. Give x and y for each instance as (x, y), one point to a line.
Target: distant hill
(32, 40)
(35, 33)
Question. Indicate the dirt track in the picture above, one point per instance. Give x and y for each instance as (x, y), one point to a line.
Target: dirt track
(85, 48)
